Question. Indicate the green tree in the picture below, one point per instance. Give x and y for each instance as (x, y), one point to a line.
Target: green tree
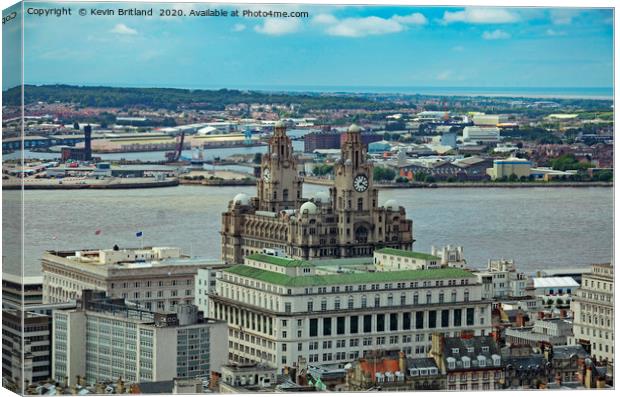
(257, 158)
(76, 126)
(383, 174)
(322, 169)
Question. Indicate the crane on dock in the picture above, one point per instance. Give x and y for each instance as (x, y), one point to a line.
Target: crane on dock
(176, 154)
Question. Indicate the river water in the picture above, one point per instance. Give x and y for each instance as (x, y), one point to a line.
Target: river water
(537, 227)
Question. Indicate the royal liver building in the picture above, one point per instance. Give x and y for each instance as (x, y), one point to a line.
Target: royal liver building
(346, 222)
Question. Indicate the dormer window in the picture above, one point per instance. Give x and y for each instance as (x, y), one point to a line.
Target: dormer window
(455, 350)
(485, 349)
(451, 363)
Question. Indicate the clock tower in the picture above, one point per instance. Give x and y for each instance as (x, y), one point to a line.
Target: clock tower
(280, 185)
(353, 196)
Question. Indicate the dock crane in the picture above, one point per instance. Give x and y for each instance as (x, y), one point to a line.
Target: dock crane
(176, 154)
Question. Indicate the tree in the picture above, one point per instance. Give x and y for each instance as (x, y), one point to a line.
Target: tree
(420, 176)
(76, 126)
(402, 179)
(604, 176)
(322, 169)
(257, 158)
(383, 174)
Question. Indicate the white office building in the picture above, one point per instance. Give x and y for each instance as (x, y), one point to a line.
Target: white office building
(593, 311)
(204, 284)
(502, 280)
(158, 278)
(280, 311)
(481, 134)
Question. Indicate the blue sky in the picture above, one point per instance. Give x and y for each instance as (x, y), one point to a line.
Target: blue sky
(335, 46)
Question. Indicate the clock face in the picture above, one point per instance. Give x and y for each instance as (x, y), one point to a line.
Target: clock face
(266, 175)
(360, 183)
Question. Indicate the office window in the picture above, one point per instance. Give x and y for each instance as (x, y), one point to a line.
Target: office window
(419, 320)
(458, 314)
(470, 316)
(340, 325)
(367, 323)
(393, 321)
(380, 322)
(314, 326)
(353, 324)
(445, 318)
(432, 319)
(407, 320)
(327, 326)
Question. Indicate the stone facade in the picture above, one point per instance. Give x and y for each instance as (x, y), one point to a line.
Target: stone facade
(347, 221)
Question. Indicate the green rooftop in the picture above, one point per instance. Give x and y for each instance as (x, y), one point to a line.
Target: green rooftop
(278, 260)
(408, 254)
(347, 278)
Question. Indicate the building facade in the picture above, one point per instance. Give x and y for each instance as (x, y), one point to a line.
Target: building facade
(593, 311)
(26, 348)
(159, 278)
(471, 363)
(346, 222)
(106, 339)
(281, 310)
(501, 280)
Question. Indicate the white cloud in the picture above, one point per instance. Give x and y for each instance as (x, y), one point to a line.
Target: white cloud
(563, 16)
(121, 28)
(413, 19)
(479, 15)
(458, 48)
(278, 27)
(360, 27)
(239, 27)
(497, 34)
(325, 19)
(551, 32)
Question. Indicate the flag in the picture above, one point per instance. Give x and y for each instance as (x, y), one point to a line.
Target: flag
(97, 232)
(139, 234)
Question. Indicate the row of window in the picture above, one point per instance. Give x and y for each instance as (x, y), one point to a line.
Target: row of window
(392, 322)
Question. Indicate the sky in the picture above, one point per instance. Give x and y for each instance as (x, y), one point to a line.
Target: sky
(333, 47)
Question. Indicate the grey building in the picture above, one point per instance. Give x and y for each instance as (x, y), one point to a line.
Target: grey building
(106, 339)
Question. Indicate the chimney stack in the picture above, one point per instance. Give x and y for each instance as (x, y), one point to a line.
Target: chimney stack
(87, 137)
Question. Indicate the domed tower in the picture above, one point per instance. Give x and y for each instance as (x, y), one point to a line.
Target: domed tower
(353, 195)
(280, 185)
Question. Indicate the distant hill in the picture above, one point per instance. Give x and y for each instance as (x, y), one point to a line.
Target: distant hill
(172, 98)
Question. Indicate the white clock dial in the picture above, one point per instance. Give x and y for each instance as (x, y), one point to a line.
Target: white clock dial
(266, 175)
(360, 183)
